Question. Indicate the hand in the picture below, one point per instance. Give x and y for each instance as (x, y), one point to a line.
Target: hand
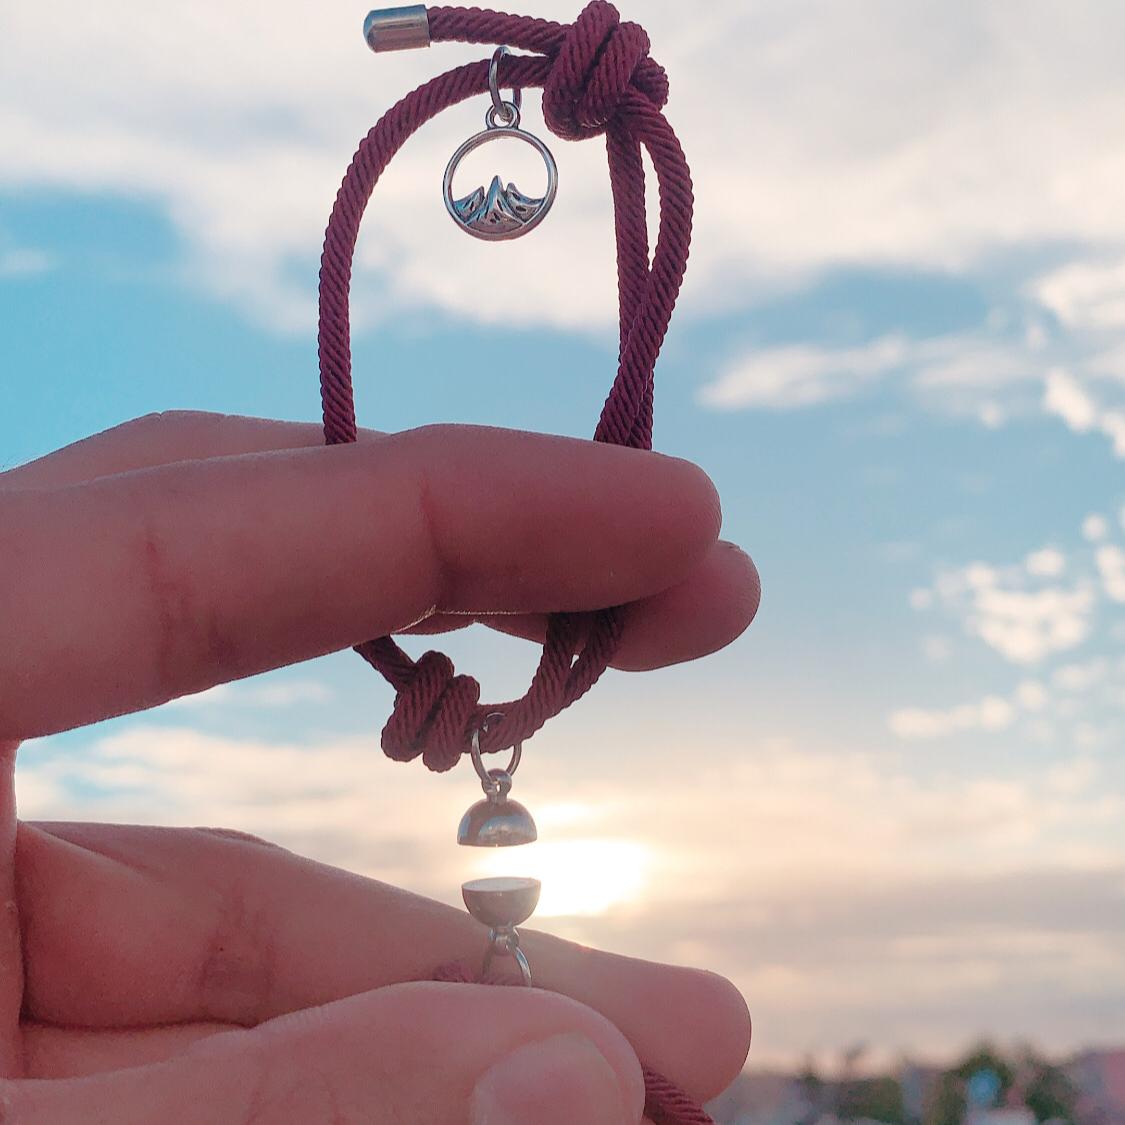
(201, 976)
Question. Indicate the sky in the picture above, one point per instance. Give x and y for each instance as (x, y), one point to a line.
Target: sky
(894, 812)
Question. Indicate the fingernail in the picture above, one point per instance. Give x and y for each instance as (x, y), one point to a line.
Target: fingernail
(558, 1081)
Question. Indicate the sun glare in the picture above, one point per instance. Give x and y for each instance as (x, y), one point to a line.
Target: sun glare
(580, 877)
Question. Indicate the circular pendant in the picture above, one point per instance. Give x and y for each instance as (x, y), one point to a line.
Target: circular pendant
(497, 212)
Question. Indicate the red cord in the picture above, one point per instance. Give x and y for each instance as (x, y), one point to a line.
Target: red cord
(596, 78)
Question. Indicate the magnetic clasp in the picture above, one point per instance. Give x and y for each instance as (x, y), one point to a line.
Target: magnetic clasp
(397, 29)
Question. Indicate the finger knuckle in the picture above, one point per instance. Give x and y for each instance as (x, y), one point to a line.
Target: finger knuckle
(236, 972)
(190, 642)
(160, 422)
(237, 835)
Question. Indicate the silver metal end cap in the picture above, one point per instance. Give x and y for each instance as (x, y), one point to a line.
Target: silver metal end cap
(397, 29)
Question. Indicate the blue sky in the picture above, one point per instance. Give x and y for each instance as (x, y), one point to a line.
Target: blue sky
(893, 811)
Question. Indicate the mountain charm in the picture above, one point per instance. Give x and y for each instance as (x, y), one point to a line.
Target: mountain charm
(500, 210)
(497, 212)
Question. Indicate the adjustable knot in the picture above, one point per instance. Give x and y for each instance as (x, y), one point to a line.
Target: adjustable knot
(599, 62)
(432, 714)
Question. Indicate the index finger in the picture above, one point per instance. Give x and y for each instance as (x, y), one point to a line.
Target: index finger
(133, 589)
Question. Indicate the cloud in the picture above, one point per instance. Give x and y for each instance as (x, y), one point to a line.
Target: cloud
(796, 376)
(991, 714)
(1086, 294)
(1046, 563)
(1032, 695)
(1028, 955)
(1066, 397)
(1024, 625)
(23, 262)
(1081, 677)
(991, 375)
(936, 648)
(237, 123)
(1030, 616)
(1111, 567)
(958, 372)
(1095, 527)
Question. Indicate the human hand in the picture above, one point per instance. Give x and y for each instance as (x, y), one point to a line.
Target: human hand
(199, 976)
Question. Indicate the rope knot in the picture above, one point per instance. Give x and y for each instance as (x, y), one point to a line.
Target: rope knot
(432, 714)
(599, 62)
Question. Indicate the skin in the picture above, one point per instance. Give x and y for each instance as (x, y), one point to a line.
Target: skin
(198, 975)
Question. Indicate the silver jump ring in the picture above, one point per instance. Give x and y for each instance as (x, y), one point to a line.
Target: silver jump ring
(506, 940)
(502, 112)
(507, 117)
(487, 780)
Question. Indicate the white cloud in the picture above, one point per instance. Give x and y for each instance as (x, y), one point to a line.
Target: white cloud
(921, 599)
(1032, 695)
(991, 714)
(23, 262)
(992, 375)
(991, 378)
(237, 121)
(1066, 397)
(1081, 677)
(1095, 527)
(1111, 567)
(1018, 611)
(992, 415)
(1025, 626)
(959, 373)
(936, 648)
(1047, 562)
(1086, 294)
(802, 375)
(1030, 616)
(1072, 777)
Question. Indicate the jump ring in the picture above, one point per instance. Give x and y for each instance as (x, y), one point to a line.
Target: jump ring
(507, 118)
(487, 780)
(506, 113)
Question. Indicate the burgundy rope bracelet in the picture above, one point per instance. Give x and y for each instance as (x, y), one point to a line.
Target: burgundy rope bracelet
(597, 79)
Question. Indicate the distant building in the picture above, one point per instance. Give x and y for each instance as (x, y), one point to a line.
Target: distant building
(1099, 1077)
(1000, 1115)
(763, 1098)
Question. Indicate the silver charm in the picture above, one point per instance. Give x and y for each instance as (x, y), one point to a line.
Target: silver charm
(498, 213)
(505, 902)
(497, 821)
(501, 904)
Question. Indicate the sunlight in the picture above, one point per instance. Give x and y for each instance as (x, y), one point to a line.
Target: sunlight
(580, 877)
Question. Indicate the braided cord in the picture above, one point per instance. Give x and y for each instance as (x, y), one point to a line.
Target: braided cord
(597, 79)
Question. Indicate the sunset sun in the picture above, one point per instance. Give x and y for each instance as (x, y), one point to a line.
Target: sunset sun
(580, 877)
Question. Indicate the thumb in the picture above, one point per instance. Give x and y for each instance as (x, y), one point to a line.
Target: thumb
(423, 1053)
